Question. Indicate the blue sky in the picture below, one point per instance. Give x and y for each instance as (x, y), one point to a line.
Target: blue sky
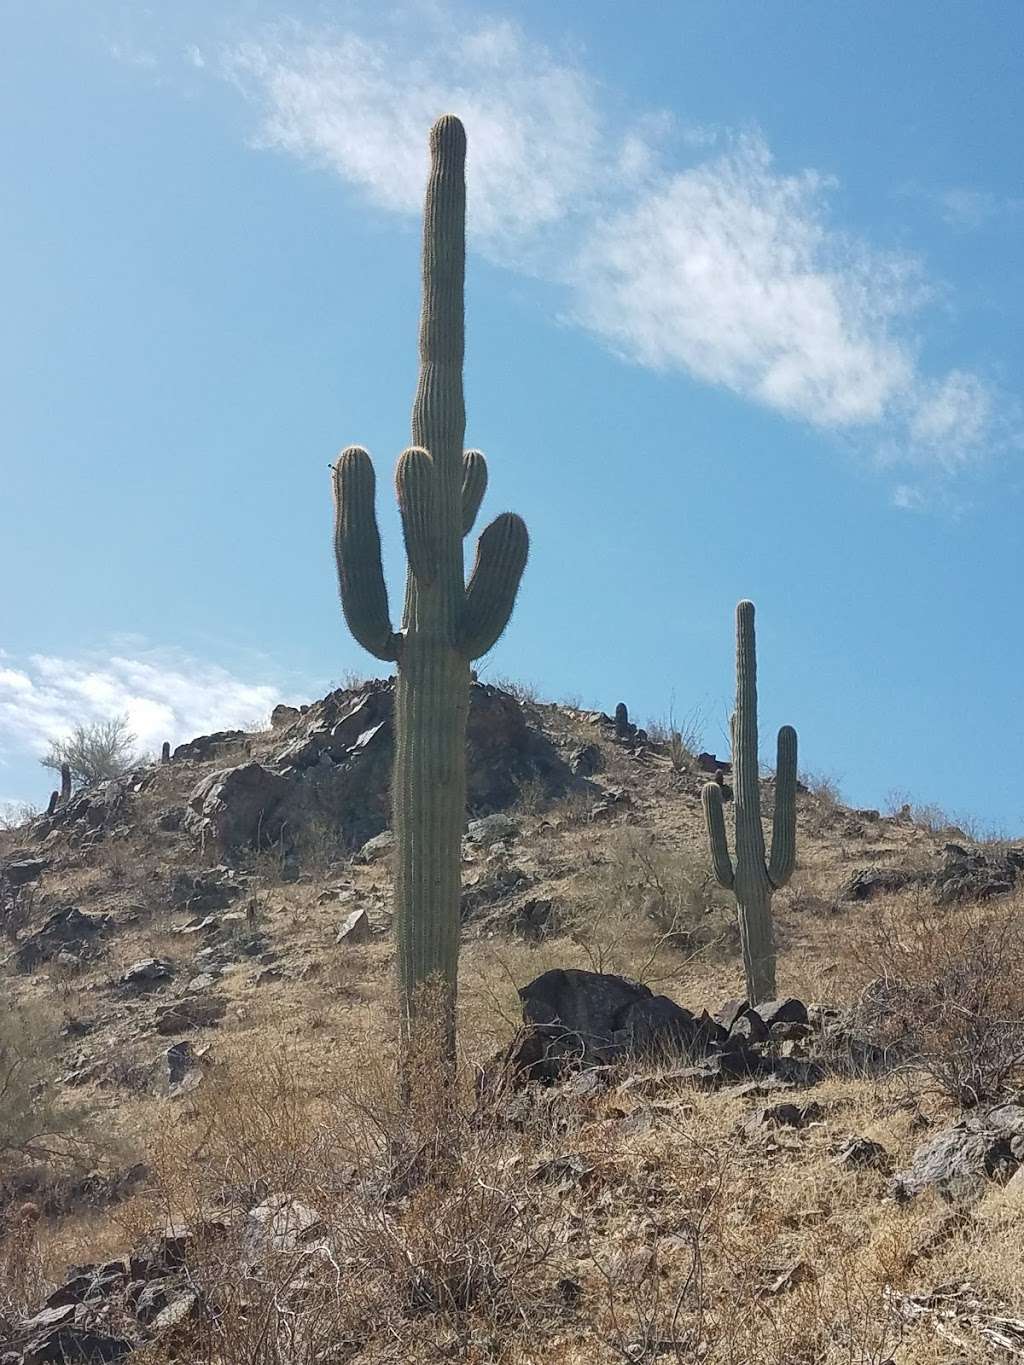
(743, 320)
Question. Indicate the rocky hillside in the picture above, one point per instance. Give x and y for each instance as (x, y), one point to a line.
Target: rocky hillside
(201, 1158)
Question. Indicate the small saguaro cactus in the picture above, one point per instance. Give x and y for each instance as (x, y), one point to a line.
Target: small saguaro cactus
(751, 880)
(54, 802)
(165, 751)
(65, 783)
(446, 623)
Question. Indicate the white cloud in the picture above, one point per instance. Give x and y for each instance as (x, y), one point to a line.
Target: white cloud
(165, 696)
(729, 272)
(680, 248)
(361, 107)
(966, 208)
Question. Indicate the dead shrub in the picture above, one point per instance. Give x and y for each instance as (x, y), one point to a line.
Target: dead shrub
(648, 911)
(428, 1220)
(948, 995)
(35, 1121)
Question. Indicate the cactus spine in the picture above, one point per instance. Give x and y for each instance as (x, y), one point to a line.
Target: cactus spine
(751, 880)
(446, 623)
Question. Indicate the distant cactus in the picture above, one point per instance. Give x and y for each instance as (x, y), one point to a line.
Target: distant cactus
(165, 752)
(54, 802)
(752, 882)
(65, 783)
(622, 726)
(446, 623)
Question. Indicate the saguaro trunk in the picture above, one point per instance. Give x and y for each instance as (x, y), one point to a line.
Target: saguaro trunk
(446, 623)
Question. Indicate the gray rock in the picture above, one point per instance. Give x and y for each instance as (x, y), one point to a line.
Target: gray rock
(959, 1161)
(281, 1223)
(147, 972)
(492, 829)
(379, 847)
(354, 928)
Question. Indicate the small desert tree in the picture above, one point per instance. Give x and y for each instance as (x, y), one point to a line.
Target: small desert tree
(93, 752)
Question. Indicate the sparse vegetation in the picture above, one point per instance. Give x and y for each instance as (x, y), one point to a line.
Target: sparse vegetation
(683, 737)
(94, 751)
(948, 995)
(34, 1120)
(636, 1221)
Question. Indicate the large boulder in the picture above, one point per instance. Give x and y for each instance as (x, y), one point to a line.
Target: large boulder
(592, 1018)
(238, 808)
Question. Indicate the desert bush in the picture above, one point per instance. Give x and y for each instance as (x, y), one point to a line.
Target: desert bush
(94, 751)
(430, 1223)
(33, 1120)
(646, 910)
(824, 787)
(948, 995)
(14, 814)
(525, 693)
(683, 738)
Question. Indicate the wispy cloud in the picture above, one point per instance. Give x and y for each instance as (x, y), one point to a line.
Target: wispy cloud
(165, 695)
(693, 253)
(968, 209)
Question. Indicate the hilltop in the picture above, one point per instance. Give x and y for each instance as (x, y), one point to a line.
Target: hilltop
(198, 961)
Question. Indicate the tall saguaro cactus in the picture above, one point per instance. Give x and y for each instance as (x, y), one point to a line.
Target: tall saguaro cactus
(447, 623)
(752, 880)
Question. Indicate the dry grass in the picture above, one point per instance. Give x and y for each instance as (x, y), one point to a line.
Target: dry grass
(576, 1231)
(949, 993)
(593, 1230)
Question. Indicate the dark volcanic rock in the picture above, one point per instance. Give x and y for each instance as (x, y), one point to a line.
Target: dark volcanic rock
(19, 872)
(861, 1153)
(870, 882)
(147, 972)
(971, 874)
(593, 1018)
(92, 810)
(205, 747)
(966, 873)
(192, 1012)
(72, 1345)
(238, 808)
(66, 929)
